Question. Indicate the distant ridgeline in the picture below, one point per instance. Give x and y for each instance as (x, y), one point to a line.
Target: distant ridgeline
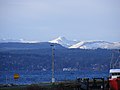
(18, 45)
(37, 56)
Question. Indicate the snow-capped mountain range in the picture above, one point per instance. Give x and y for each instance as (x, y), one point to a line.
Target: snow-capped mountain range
(96, 44)
(86, 44)
(73, 43)
(64, 42)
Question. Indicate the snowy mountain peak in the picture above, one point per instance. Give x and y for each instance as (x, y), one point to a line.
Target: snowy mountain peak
(96, 44)
(59, 39)
(63, 41)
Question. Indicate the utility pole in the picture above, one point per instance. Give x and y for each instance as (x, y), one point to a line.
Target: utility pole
(53, 62)
(6, 79)
(111, 66)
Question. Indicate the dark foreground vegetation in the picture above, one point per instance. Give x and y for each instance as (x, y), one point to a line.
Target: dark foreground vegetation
(79, 84)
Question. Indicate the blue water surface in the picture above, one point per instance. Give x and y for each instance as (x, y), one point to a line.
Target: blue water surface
(36, 76)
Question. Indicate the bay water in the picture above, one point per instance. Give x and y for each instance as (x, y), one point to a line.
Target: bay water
(36, 76)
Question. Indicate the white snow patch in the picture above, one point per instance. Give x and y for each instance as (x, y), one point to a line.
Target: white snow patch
(63, 41)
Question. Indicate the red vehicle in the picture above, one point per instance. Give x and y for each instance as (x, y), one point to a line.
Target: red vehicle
(114, 80)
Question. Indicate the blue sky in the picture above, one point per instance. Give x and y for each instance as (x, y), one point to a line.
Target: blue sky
(45, 20)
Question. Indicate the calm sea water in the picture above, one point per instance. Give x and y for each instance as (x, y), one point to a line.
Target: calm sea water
(30, 77)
